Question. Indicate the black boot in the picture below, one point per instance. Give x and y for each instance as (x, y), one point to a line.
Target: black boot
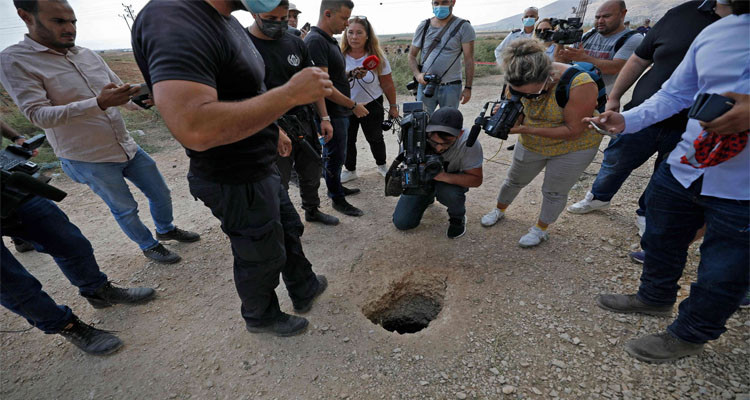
(349, 192)
(179, 235)
(285, 325)
(161, 254)
(89, 339)
(315, 215)
(343, 206)
(22, 246)
(306, 305)
(109, 295)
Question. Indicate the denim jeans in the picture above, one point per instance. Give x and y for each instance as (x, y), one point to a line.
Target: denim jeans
(674, 214)
(410, 208)
(334, 155)
(445, 96)
(107, 179)
(40, 222)
(264, 230)
(628, 152)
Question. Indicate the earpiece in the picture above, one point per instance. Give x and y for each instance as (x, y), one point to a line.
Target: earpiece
(328, 14)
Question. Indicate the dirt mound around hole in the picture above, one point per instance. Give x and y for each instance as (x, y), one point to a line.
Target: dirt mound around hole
(409, 304)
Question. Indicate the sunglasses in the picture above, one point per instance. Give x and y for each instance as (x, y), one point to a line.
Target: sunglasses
(530, 96)
(435, 143)
(539, 31)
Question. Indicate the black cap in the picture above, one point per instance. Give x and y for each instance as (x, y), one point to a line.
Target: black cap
(446, 119)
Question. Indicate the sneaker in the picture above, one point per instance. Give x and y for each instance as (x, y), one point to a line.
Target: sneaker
(305, 306)
(640, 222)
(661, 347)
(637, 257)
(161, 254)
(315, 215)
(109, 295)
(382, 170)
(89, 339)
(492, 217)
(629, 304)
(349, 192)
(284, 326)
(347, 175)
(587, 205)
(745, 303)
(533, 238)
(343, 206)
(22, 246)
(179, 235)
(456, 227)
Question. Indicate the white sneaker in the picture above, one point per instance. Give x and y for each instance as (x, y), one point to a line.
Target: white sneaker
(382, 170)
(640, 222)
(347, 175)
(533, 238)
(587, 205)
(492, 217)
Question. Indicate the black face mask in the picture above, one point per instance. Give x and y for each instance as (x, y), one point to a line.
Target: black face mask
(273, 29)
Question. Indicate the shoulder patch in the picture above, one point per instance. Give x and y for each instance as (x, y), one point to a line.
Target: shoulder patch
(293, 60)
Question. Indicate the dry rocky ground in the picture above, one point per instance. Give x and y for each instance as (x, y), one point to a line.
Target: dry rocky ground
(509, 323)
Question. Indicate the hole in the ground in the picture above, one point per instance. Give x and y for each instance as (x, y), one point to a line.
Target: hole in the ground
(409, 304)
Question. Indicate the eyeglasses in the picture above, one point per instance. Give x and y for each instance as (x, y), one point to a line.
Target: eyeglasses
(357, 17)
(436, 144)
(540, 31)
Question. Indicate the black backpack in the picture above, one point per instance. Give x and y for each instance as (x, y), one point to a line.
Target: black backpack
(562, 93)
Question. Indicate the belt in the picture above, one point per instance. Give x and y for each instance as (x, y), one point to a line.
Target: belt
(458, 82)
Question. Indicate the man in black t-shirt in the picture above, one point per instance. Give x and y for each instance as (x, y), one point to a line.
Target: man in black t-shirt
(662, 49)
(326, 54)
(284, 55)
(206, 77)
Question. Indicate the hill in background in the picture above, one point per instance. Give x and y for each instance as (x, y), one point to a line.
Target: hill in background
(638, 10)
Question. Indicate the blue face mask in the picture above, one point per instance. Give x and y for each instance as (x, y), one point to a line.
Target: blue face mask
(441, 12)
(529, 21)
(260, 6)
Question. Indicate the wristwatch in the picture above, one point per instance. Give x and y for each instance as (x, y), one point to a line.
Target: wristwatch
(326, 118)
(467, 87)
(353, 107)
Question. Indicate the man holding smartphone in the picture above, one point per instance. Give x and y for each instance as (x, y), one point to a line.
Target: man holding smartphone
(71, 92)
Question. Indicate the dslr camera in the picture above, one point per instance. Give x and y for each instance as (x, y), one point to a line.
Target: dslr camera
(433, 81)
(569, 32)
(415, 167)
(499, 124)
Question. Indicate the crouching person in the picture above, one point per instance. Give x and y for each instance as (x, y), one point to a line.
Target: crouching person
(462, 170)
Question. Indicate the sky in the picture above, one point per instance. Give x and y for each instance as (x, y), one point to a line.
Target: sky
(100, 27)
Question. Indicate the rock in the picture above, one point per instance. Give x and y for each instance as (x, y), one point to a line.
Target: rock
(461, 395)
(346, 339)
(588, 260)
(423, 383)
(536, 391)
(508, 389)
(494, 371)
(558, 364)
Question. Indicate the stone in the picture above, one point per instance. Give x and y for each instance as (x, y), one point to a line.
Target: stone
(494, 371)
(558, 364)
(461, 395)
(508, 389)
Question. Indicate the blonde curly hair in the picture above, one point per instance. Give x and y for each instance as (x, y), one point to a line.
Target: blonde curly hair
(524, 62)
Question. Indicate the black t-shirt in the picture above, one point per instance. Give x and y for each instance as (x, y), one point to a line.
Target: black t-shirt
(325, 52)
(666, 44)
(191, 41)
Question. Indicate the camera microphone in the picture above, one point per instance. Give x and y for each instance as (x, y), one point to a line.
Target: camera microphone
(473, 135)
(371, 62)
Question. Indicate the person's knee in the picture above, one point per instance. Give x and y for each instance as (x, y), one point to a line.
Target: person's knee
(403, 222)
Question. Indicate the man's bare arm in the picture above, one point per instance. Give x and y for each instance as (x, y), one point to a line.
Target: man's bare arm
(628, 75)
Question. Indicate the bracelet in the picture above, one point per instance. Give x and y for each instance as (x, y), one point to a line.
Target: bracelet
(467, 87)
(325, 119)
(394, 105)
(353, 107)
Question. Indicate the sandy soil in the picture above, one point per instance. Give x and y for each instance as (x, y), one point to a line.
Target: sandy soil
(512, 322)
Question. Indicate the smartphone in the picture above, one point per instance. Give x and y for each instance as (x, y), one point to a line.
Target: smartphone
(600, 130)
(306, 27)
(142, 91)
(709, 106)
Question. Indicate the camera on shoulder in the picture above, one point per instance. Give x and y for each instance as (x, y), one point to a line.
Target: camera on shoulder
(569, 31)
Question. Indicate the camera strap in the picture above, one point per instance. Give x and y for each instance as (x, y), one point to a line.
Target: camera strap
(450, 36)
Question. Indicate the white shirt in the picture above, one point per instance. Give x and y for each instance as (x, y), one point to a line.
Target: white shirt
(713, 64)
(511, 37)
(368, 88)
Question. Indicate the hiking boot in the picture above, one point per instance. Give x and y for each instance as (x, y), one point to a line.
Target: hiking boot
(160, 254)
(535, 236)
(492, 217)
(305, 306)
(315, 215)
(179, 235)
(637, 257)
(456, 227)
(22, 246)
(343, 206)
(109, 295)
(640, 223)
(382, 170)
(89, 339)
(629, 303)
(349, 192)
(347, 175)
(285, 325)
(587, 205)
(661, 347)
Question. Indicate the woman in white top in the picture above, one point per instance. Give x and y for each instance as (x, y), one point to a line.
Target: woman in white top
(367, 87)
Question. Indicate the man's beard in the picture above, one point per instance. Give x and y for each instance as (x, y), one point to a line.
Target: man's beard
(48, 35)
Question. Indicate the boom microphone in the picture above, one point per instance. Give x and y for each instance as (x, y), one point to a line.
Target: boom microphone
(371, 62)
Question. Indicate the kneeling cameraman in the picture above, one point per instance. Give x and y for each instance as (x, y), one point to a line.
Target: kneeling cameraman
(462, 170)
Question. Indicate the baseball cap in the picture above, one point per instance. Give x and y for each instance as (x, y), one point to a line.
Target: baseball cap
(293, 7)
(446, 119)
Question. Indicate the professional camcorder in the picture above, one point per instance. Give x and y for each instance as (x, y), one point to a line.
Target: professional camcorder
(499, 124)
(412, 172)
(570, 31)
(20, 179)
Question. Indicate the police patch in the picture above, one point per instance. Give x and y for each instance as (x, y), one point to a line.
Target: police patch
(293, 60)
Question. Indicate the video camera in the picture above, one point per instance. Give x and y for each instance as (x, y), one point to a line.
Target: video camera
(19, 177)
(500, 123)
(412, 172)
(570, 31)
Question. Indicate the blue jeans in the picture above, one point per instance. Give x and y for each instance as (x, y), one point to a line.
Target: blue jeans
(445, 96)
(107, 179)
(40, 222)
(334, 155)
(628, 152)
(410, 208)
(674, 214)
